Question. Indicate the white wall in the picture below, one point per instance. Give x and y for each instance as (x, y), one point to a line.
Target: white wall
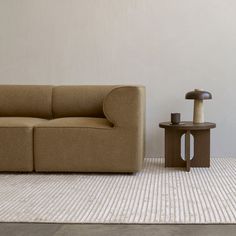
(171, 46)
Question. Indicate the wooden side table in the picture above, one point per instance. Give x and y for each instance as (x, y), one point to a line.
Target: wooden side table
(201, 134)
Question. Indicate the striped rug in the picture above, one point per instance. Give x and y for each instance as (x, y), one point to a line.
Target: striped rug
(156, 195)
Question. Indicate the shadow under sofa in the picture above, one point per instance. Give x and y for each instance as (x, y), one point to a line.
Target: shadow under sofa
(91, 128)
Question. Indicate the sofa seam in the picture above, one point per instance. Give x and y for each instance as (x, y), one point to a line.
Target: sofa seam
(33, 147)
(52, 101)
(20, 127)
(71, 127)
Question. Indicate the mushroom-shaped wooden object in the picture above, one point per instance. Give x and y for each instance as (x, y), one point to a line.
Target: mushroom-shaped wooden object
(198, 95)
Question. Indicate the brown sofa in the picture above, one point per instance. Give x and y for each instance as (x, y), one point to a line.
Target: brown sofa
(71, 128)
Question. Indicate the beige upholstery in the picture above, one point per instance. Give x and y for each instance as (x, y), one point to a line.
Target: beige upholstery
(26, 101)
(77, 101)
(92, 144)
(124, 107)
(92, 128)
(16, 143)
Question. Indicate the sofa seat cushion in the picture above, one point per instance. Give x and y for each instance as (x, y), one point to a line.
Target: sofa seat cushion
(77, 122)
(20, 122)
(16, 143)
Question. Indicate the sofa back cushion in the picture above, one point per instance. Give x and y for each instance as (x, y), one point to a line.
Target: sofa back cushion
(79, 101)
(26, 101)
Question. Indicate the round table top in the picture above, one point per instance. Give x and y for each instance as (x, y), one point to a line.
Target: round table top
(188, 125)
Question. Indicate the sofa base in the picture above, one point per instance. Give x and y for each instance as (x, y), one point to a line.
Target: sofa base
(85, 150)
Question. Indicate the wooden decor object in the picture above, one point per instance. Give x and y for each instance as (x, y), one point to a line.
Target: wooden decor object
(198, 96)
(201, 134)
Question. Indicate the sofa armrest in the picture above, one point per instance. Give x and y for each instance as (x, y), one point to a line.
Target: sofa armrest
(124, 106)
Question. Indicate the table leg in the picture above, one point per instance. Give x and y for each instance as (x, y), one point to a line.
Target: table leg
(187, 150)
(173, 148)
(201, 148)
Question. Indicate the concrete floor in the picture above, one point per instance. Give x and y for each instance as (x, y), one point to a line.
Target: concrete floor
(13, 229)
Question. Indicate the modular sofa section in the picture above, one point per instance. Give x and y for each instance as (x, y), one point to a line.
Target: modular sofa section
(114, 143)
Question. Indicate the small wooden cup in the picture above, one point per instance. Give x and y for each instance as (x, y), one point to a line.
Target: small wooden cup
(175, 118)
